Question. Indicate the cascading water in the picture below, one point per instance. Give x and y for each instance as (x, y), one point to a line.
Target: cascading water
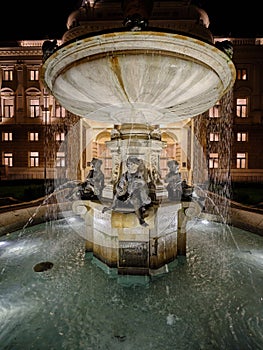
(214, 182)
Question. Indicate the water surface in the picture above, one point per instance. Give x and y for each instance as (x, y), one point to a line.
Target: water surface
(213, 299)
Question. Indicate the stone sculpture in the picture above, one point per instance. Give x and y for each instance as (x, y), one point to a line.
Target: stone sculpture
(91, 188)
(48, 47)
(174, 181)
(132, 192)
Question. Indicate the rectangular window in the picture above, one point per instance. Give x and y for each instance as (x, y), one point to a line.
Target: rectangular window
(34, 74)
(214, 136)
(60, 111)
(242, 136)
(34, 108)
(60, 160)
(241, 74)
(33, 159)
(8, 158)
(241, 107)
(8, 75)
(213, 160)
(8, 107)
(60, 136)
(33, 136)
(7, 136)
(241, 161)
(215, 112)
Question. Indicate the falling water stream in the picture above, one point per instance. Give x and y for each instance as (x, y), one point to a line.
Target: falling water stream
(212, 299)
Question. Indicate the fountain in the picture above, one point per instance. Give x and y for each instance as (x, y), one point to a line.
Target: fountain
(137, 78)
(54, 296)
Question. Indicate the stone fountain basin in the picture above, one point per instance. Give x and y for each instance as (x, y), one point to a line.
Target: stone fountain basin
(138, 77)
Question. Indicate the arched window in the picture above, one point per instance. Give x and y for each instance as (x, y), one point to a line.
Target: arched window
(33, 98)
(7, 103)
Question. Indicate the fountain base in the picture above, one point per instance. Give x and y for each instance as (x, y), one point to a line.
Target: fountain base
(118, 240)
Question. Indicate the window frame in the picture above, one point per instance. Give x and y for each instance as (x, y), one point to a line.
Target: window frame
(7, 136)
(8, 159)
(35, 136)
(8, 74)
(33, 159)
(243, 137)
(242, 74)
(242, 107)
(60, 159)
(7, 103)
(213, 160)
(241, 159)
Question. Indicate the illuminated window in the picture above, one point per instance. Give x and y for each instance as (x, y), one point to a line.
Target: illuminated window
(33, 136)
(60, 160)
(214, 136)
(33, 98)
(60, 136)
(241, 107)
(8, 158)
(46, 108)
(34, 74)
(8, 108)
(241, 160)
(213, 160)
(8, 75)
(34, 107)
(60, 111)
(7, 136)
(33, 159)
(242, 136)
(215, 112)
(7, 103)
(241, 74)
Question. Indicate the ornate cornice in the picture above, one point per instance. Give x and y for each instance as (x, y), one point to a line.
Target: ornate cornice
(17, 51)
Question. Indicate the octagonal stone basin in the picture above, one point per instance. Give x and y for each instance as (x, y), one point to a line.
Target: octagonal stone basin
(138, 77)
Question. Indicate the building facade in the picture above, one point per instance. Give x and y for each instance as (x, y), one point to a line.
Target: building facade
(41, 140)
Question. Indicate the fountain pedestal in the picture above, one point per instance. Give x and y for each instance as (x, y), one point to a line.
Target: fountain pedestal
(119, 241)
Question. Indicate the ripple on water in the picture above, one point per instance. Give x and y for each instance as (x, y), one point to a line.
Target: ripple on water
(212, 300)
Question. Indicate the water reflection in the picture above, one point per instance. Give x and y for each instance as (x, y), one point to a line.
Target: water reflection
(211, 300)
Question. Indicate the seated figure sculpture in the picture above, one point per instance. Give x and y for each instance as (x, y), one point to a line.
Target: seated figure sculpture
(178, 190)
(132, 191)
(91, 188)
(174, 181)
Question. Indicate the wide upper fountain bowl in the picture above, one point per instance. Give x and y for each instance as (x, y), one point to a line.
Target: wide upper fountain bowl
(150, 77)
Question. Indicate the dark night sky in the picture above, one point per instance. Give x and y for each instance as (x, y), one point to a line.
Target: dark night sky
(39, 20)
